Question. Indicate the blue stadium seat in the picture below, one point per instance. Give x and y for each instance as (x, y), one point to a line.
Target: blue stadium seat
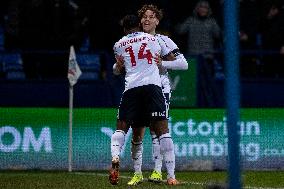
(13, 66)
(90, 66)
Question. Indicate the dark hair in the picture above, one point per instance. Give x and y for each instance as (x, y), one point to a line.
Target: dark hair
(158, 12)
(202, 3)
(129, 22)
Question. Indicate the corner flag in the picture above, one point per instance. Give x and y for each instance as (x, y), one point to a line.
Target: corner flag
(74, 71)
(73, 75)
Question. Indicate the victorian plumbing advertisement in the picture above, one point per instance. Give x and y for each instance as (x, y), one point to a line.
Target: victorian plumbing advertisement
(37, 138)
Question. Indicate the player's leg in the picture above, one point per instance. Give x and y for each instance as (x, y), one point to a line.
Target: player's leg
(166, 149)
(138, 126)
(118, 137)
(160, 127)
(136, 154)
(117, 141)
(156, 175)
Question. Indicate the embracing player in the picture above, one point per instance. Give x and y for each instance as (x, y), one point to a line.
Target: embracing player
(150, 16)
(142, 98)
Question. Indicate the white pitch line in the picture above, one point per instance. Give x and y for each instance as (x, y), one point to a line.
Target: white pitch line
(183, 182)
(252, 187)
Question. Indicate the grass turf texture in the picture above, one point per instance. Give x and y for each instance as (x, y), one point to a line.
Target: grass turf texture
(93, 180)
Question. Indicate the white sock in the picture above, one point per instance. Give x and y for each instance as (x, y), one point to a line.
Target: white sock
(167, 151)
(136, 153)
(117, 141)
(156, 153)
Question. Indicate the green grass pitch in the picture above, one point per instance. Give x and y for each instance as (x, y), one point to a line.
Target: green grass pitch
(93, 180)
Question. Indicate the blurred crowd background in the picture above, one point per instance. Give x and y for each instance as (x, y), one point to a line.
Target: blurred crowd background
(35, 37)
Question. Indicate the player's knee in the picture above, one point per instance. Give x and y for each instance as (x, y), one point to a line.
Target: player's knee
(137, 138)
(161, 127)
(122, 125)
(118, 135)
(138, 134)
(152, 131)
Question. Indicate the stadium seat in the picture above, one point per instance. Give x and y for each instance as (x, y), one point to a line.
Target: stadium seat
(89, 65)
(13, 66)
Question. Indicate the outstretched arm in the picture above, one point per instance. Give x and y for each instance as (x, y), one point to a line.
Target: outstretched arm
(173, 62)
(172, 58)
(179, 63)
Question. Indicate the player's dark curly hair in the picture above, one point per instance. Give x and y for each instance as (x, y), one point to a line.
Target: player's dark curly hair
(158, 12)
(129, 22)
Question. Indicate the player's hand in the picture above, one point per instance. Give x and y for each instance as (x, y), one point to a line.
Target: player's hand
(158, 60)
(119, 62)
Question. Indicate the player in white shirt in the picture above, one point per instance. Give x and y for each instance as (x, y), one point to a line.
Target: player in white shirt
(150, 16)
(142, 97)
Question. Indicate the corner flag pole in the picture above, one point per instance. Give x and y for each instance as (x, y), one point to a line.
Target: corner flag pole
(74, 73)
(70, 149)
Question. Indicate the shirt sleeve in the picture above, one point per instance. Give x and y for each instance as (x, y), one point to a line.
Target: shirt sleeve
(179, 63)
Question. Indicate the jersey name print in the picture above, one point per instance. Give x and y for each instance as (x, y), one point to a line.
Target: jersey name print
(138, 50)
(135, 40)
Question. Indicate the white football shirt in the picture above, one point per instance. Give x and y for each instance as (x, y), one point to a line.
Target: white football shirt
(167, 46)
(138, 50)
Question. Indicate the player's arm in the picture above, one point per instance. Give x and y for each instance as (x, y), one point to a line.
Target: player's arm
(174, 61)
(172, 58)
